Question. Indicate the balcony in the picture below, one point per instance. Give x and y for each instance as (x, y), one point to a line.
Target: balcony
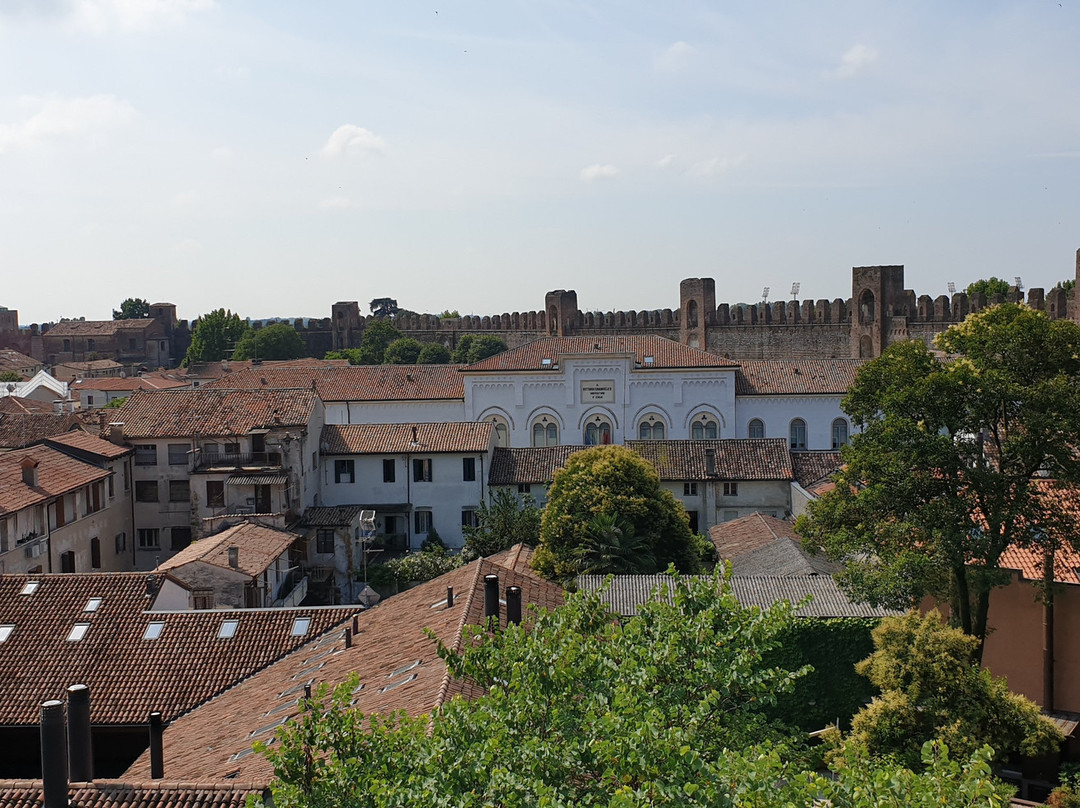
(234, 461)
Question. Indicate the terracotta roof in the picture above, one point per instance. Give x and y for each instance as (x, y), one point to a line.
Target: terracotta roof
(96, 328)
(814, 467)
(735, 458)
(15, 404)
(85, 442)
(330, 516)
(738, 537)
(114, 384)
(121, 794)
(57, 474)
(664, 353)
(355, 382)
(792, 377)
(210, 413)
(531, 465)
(1029, 563)
(517, 558)
(783, 558)
(218, 370)
(23, 429)
(129, 676)
(94, 364)
(258, 548)
(469, 436)
(396, 661)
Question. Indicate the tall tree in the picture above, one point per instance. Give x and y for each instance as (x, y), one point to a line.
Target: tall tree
(213, 335)
(134, 308)
(433, 353)
(484, 346)
(947, 469)
(403, 351)
(988, 286)
(502, 523)
(377, 336)
(275, 341)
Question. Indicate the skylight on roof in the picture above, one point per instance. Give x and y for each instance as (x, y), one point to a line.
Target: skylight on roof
(92, 605)
(78, 631)
(398, 683)
(228, 629)
(153, 630)
(545, 362)
(5, 631)
(30, 587)
(403, 669)
(649, 360)
(300, 626)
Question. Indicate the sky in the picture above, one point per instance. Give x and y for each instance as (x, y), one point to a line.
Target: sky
(275, 157)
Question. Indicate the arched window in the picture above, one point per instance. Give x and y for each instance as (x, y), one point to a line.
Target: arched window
(756, 429)
(652, 428)
(797, 435)
(691, 314)
(502, 430)
(704, 428)
(866, 308)
(597, 431)
(839, 433)
(545, 432)
(866, 347)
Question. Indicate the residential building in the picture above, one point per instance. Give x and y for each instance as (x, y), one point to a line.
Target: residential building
(146, 341)
(100, 391)
(11, 361)
(93, 369)
(41, 387)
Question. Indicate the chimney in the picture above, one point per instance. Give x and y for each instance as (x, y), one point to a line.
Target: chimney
(157, 756)
(356, 624)
(58, 405)
(513, 604)
(491, 597)
(116, 433)
(348, 638)
(151, 585)
(449, 597)
(414, 435)
(80, 745)
(54, 764)
(29, 471)
(710, 461)
(234, 557)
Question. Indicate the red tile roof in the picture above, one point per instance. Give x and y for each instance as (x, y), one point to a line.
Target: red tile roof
(85, 442)
(814, 467)
(114, 384)
(15, 404)
(258, 547)
(22, 429)
(395, 659)
(355, 382)
(665, 353)
(738, 537)
(122, 794)
(96, 328)
(792, 377)
(218, 370)
(735, 458)
(212, 413)
(129, 676)
(528, 465)
(57, 474)
(470, 436)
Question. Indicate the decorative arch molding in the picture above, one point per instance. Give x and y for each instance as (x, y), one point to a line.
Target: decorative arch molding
(704, 409)
(550, 412)
(594, 411)
(647, 410)
(500, 412)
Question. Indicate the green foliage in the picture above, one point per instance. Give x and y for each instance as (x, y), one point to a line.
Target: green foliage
(10, 376)
(417, 567)
(502, 523)
(402, 351)
(611, 546)
(116, 403)
(1067, 794)
(461, 351)
(274, 342)
(666, 709)
(433, 543)
(612, 480)
(213, 335)
(945, 470)
(1068, 285)
(447, 314)
(989, 286)
(484, 346)
(352, 354)
(933, 690)
(134, 308)
(377, 337)
(433, 353)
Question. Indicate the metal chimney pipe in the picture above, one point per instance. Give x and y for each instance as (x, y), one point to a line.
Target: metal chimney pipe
(449, 597)
(157, 756)
(54, 764)
(491, 596)
(80, 744)
(513, 604)
(348, 638)
(307, 692)
(355, 624)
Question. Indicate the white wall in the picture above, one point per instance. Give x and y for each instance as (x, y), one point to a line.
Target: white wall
(394, 412)
(777, 412)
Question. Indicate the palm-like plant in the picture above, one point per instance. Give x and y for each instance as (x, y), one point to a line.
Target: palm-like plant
(613, 547)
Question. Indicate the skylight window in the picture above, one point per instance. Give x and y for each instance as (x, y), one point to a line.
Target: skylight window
(30, 587)
(92, 605)
(153, 630)
(300, 626)
(5, 632)
(269, 727)
(545, 363)
(403, 669)
(228, 629)
(649, 360)
(78, 631)
(398, 683)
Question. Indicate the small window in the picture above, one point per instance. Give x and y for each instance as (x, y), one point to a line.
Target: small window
(148, 538)
(756, 429)
(839, 433)
(92, 605)
(421, 470)
(423, 521)
(797, 434)
(468, 469)
(524, 488)
(689, 489)
(202, 598)
(179, 491)
(146, 455)
(153, 630)
(5, 631)
(344, 471)
(95, 553)
(178, 454)
(300, 626)
(146, 491)
(324, 541)
(652, 429)
(89, 400)
(232, 448)
(545, 434)
(215, 494)
(502, 431)
(67, 561)
(731, 489)
(389, 470)
(597, 433)
(468, 517)
(228, 629)
(179, 538)
(704, 429)
(30, 587)
(78, 631)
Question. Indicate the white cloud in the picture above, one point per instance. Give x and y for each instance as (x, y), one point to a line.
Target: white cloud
(714, 166)
(101, 16)
(336, 203)
(64, 117)
(350, 139)
(665, 161)
(855, 60)
(598, 172)
(676, 58)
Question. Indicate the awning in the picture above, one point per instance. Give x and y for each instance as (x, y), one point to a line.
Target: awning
(257, 479)
(258, 431)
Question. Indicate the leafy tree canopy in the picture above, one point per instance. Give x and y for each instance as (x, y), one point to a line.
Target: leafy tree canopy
(276, 341)
(664, 709)
(461, 350)
(433, 353)
(989, 286)
(448, 314)
(352, 354)
(501, 523)
(116, 403)
(1068, 285)
(213, 335)
(376, 338)
(384, 307)
(484, 346)
(10, 376)
(134, 308)
(946, 471)
(615, 482)
(402, 351)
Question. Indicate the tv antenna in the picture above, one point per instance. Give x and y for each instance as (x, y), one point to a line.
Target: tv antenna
(795, 290)
(1019, 284)
(765, 295)
(952, 287)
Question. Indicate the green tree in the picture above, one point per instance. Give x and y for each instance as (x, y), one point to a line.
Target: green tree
(989, 286)
(448, 314)
(213, 335)
(10, 376)
(1068, 285)
(433, 353)
(612, 480)
(402, 351)
(378, 335)
(461, 350)
(352, 354)
(116, 403)
(502, 523)
(134, 308)
(612, 547)
(664, 709)
(275, 341)
(946, 471)
(484, 346)
(932, 689)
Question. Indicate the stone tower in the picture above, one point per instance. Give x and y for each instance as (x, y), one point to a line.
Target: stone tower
(876, 296)
(345, 324)
(561, 310)
(697, 311)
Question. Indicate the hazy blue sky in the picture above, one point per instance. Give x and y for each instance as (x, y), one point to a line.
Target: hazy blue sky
(274, 157)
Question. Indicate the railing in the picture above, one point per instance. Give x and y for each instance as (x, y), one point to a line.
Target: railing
(295, 596)
(237, 460)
